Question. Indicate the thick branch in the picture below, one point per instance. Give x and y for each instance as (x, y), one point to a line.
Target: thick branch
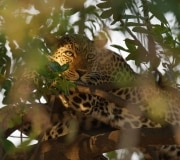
(12, 117)
(88, 147)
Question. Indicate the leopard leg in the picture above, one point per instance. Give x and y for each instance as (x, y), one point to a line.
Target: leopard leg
(169, 152)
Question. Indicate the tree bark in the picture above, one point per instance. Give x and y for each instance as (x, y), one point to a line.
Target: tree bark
(84, 146)
(87, 147)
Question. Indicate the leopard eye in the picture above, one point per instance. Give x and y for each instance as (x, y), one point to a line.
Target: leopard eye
(69, 53)
(90, 56)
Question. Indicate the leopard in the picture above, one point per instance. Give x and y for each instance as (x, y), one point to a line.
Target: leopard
(112, 69)
(97, 66)
(93, 65)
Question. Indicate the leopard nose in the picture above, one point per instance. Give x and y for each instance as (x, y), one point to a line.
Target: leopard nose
(81, 72)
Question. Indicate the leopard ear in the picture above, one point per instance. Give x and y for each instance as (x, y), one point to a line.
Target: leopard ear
(100, 41)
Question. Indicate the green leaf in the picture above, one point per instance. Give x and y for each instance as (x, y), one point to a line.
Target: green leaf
(130, 16)
(2, 79)
(140, 30)
(8, 146)
(5, 99)
(6, 85)
(90, 9)
(158, 32)
(2, 38)
(103, 5)
(106, 14)
(112, 155)
(16, 120)
(154, 9)
(63, 85)
(160, 29)
(129, 24)
(131, 44)
(139, 55)
(55, 66)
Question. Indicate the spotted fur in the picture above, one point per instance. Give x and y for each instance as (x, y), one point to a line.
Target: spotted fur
(90, 64)
(93, 65)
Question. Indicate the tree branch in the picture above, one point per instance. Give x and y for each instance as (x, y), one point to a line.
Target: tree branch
(89, 147)
(12, 117)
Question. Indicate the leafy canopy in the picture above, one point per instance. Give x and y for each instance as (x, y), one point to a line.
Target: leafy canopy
(29, 31)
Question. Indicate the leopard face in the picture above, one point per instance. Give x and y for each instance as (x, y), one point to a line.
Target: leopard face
(89, 62)
(78, 52)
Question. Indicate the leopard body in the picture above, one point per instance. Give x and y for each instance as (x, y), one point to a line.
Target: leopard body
(91, 65)
(148, 105)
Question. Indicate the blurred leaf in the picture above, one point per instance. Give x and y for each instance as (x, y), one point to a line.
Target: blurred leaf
(90, 9)
(160, 29)
(78, 4)
(131, 44)
(2, 79)
(7, 145)
(112, 155)
(157, 13)
(2, 40)
(129, 24)
(126, 16)
(14, 121)
(103, 5)
(3, 50)
(7, 85)
(139, 55)
(106, 14)
(56, 67)
(140, 30)
(64, 85)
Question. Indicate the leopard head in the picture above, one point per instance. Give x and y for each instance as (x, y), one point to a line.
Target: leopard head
(91, 61)
(76, 50)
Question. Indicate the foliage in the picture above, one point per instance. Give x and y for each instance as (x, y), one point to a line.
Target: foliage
(157, 44)
(29, 32)
(151, 42)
